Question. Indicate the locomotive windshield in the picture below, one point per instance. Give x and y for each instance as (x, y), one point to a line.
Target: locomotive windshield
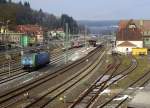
(27, 59)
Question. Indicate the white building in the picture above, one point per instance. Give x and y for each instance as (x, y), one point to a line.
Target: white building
(128, 37)
(126, 46)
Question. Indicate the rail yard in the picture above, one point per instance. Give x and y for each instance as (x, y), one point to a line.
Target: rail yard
(95, 79)
(49, 59)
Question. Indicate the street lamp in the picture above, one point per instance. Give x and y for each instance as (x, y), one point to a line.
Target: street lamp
(63, 99)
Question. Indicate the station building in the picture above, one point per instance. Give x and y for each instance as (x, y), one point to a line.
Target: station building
(144, 25)
(129, 36)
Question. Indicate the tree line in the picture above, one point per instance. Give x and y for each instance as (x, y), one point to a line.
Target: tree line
(21, 13)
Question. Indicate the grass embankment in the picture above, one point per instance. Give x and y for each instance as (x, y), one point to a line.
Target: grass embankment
(73, 93)
(125, 62)
(143, 65)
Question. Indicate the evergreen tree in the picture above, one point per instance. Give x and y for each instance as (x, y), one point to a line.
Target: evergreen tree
(10, 1)
(22, 14)
(27, 4)
(20, 3)
(3, 1)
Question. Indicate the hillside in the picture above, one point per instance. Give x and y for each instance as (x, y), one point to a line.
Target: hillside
(101, 27)
(21, 13)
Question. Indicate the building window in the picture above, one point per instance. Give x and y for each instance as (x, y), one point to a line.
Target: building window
(145, 33)
(132, 26)
(147, 39)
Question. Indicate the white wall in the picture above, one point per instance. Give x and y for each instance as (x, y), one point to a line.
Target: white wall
(40, 38)
(118, 42)
(138, 44)
(123, 49)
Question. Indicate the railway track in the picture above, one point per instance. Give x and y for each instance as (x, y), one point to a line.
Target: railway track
(66, 85)
(18, 72)
(16, 55)
(134, 83)
(57, 57)
(124, 73)
(89, 97)
(9, 95)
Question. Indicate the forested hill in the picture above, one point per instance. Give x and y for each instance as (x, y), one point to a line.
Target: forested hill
(22, 13)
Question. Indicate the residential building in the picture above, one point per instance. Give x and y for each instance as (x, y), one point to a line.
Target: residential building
(59, 33)
(144, 25)
(32, 30)
(10, 39)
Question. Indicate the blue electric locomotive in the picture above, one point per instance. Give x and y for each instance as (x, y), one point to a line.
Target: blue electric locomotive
(35, 60)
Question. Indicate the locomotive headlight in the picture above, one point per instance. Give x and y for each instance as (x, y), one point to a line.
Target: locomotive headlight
(30, 62)
(23, 61)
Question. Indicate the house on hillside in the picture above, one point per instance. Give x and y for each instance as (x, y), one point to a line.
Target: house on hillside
(34, 31)
(129, 36)
(56, 33)
(144, 25)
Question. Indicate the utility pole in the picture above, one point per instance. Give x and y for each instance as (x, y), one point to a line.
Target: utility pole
(99, 37)
(84, 36)
(66, 39)
(8, 57)
(6, 32)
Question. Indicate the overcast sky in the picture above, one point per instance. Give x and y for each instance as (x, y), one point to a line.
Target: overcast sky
(95, 9)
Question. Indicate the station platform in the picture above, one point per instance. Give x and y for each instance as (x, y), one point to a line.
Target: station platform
(141, 98)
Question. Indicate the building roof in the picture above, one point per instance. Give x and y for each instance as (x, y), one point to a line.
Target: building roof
(126, 44)
(29, 29)
(142, 24)
(146, 25)
(128, 31)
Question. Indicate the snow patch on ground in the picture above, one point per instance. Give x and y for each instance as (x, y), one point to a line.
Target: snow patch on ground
(122, 98)
(106, 91)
